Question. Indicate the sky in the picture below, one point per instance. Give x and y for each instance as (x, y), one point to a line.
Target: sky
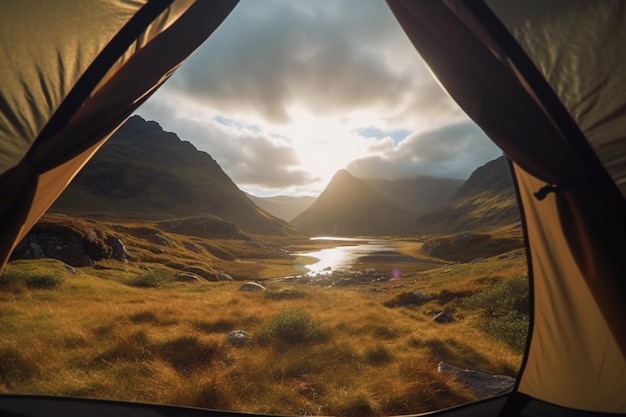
(287, 92)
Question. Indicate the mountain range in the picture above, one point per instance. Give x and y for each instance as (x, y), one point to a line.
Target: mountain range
(283, 206)
(485, 202)
(145, 171)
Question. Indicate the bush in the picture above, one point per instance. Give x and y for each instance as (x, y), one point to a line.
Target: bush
(505, 308)
(292, 327)
(187, 353)
(284, 294)
(217, 326)
(504, 297)
(378, 355)
(15, 367)
(15, 279)
(151, 279)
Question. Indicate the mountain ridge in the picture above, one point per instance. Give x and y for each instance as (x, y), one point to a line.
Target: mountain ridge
(173, 179)
(350, 207)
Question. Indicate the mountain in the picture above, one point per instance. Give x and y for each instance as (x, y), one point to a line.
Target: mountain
(485, 202)
(283, 206)
(143, 170)
(350, 207)
(417, 195)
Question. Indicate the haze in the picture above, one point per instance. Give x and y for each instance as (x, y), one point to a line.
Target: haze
(285, 93)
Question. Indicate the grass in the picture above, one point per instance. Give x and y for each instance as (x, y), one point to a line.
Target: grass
(505, 307)
(313, 350)
(21, 276)
(151, 279)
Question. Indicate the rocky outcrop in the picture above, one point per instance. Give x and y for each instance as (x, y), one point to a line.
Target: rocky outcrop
(73, 241)
(464, 247)
(483, 385)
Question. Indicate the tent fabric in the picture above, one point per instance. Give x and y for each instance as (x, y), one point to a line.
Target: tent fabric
(575, 224)
(583, 67)
(551, 95)
(53, 126)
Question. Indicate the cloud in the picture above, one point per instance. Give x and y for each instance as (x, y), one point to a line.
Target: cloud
(247, 154)
(452, 151)
(287, 92)
(328, 56)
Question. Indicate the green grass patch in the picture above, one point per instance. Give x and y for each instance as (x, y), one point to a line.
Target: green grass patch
(284, 294)
(505, 309)
(16, 278)
(151, 279)
(293, 327)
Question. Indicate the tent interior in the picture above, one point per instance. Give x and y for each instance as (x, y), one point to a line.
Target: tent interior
(546, 81)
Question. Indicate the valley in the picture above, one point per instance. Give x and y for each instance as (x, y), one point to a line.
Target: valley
(154, 278)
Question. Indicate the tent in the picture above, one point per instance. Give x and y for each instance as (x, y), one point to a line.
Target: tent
(545, 80)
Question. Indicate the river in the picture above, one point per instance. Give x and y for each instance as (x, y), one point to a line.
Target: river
(343, 257)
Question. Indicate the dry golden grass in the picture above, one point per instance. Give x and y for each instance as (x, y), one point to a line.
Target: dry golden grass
(94, 336)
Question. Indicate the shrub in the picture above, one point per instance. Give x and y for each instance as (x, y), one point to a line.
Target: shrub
(284, 294)
(378, 355)
(504, 297)
(505, 308)
(187, 353)
(16, 278)
(151, 279)
(15, 367)
(217, 326)
(292, 327)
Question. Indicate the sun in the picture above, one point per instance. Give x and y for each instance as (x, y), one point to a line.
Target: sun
(324, 145)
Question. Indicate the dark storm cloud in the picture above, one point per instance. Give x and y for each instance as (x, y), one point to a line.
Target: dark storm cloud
(329, 56)
(452, 151)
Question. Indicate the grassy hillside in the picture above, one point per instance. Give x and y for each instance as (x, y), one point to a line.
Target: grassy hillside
(417, 195)
(350, 207)
(486, 202)
(103, 332)
(143, 170)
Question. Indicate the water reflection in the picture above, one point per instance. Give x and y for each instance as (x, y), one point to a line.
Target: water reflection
(343, 257)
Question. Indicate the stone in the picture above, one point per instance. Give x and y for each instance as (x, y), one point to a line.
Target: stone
(118, 248)
(443, 317)
(484, 385)
(238, 338)
(187, 277)
(251, 287)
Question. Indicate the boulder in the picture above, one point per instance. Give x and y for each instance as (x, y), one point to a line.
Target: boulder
(118, 249)
(187, 277)
(238, 338)
(252, 287)
(443, 317)
(484, 385)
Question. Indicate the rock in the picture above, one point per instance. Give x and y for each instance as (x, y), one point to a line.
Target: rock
(162, 240)
(187, 277)
(409, 299)
(197, 270)
(251, 287)
(222, 276)
(157, 251)
(192, 247)
(69, 269)
(238, 338)
(443, 317)
(118, 249)
(484, 385)
(220, 252)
